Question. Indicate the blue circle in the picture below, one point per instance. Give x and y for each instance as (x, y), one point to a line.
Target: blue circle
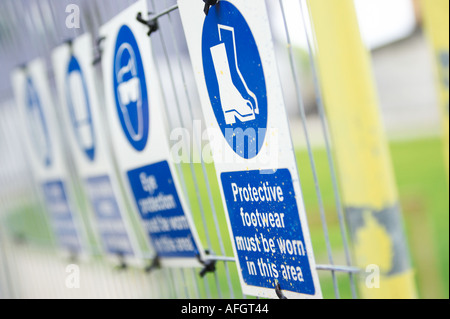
(73, 68)
(37, 124)
(130, 89)
(241, 108)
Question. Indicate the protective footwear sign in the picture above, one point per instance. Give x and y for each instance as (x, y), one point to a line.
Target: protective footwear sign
(45, 154)
(88, 142)
(234, 64)
(137, 125)
(233, 96)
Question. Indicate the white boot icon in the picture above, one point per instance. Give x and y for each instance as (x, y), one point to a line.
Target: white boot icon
(234, 105)
(130, 92)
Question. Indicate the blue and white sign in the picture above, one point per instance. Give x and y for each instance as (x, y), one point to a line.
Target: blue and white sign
(235, 79)
(130, 89)
(61, 215)
(137, 120)
(88, 142)
(235, 69)
(77, 98)
(161, 211)
(110, 223)
(45, 154)
(267, 232)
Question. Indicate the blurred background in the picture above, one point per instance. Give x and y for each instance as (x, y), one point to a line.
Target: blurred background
(405, 76)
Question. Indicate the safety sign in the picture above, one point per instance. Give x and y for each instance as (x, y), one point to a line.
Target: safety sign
(234, 63)
(45, 154)
(137, 124)
(154, 190)
(88, 142)
(235, 79)
(130, 93)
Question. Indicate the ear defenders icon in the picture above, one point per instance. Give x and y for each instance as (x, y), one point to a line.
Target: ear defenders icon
(129, 91)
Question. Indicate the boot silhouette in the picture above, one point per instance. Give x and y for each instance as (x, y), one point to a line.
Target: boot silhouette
(236, 98)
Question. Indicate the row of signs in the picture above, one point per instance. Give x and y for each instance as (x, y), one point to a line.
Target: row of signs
(233, 58)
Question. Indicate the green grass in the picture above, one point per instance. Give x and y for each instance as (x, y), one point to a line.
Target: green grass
(423, 191)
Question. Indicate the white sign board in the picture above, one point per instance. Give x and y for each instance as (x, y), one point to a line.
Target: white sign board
(83, 120)
(235, 67)
(139, 137)
(45, 153)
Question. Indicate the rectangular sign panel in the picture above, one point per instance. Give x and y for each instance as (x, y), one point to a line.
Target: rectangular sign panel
(45, 154)
(87, 139)
(139, 137)
(232, 53)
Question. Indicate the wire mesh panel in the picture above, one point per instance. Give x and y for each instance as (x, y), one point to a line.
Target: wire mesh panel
(30, 266)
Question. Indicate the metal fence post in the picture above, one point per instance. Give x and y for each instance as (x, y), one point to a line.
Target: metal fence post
(436, 22)
(362, 155)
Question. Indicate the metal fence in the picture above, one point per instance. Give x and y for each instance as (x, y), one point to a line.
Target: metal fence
(30, 266)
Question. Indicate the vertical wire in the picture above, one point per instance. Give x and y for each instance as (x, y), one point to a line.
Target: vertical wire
(326, 134)
(15, 45)
(177, 165)
(22, 252)
(205, 175)
(4, 240)
(310, 152)
(100, 16)
(181, 119)
(3, 245)
(74, 178)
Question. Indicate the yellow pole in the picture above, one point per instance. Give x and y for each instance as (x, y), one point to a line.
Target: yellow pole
(361, 149)
(437, 26)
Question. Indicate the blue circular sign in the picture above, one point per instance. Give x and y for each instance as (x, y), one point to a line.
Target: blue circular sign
(79, 108)
(130, 89)
(37, 124)
(235, 79)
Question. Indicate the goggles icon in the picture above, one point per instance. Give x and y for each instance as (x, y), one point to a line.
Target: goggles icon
(129, 92)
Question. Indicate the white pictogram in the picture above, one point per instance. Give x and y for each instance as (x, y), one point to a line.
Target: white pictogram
(129, 92)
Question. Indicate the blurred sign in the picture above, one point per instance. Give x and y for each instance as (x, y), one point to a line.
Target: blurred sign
(138, 132)
(45, 153)
(234, 62)
(82, 115)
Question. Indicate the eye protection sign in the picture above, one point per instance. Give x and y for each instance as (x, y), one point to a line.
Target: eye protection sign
(234, 63)
(140, 139)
